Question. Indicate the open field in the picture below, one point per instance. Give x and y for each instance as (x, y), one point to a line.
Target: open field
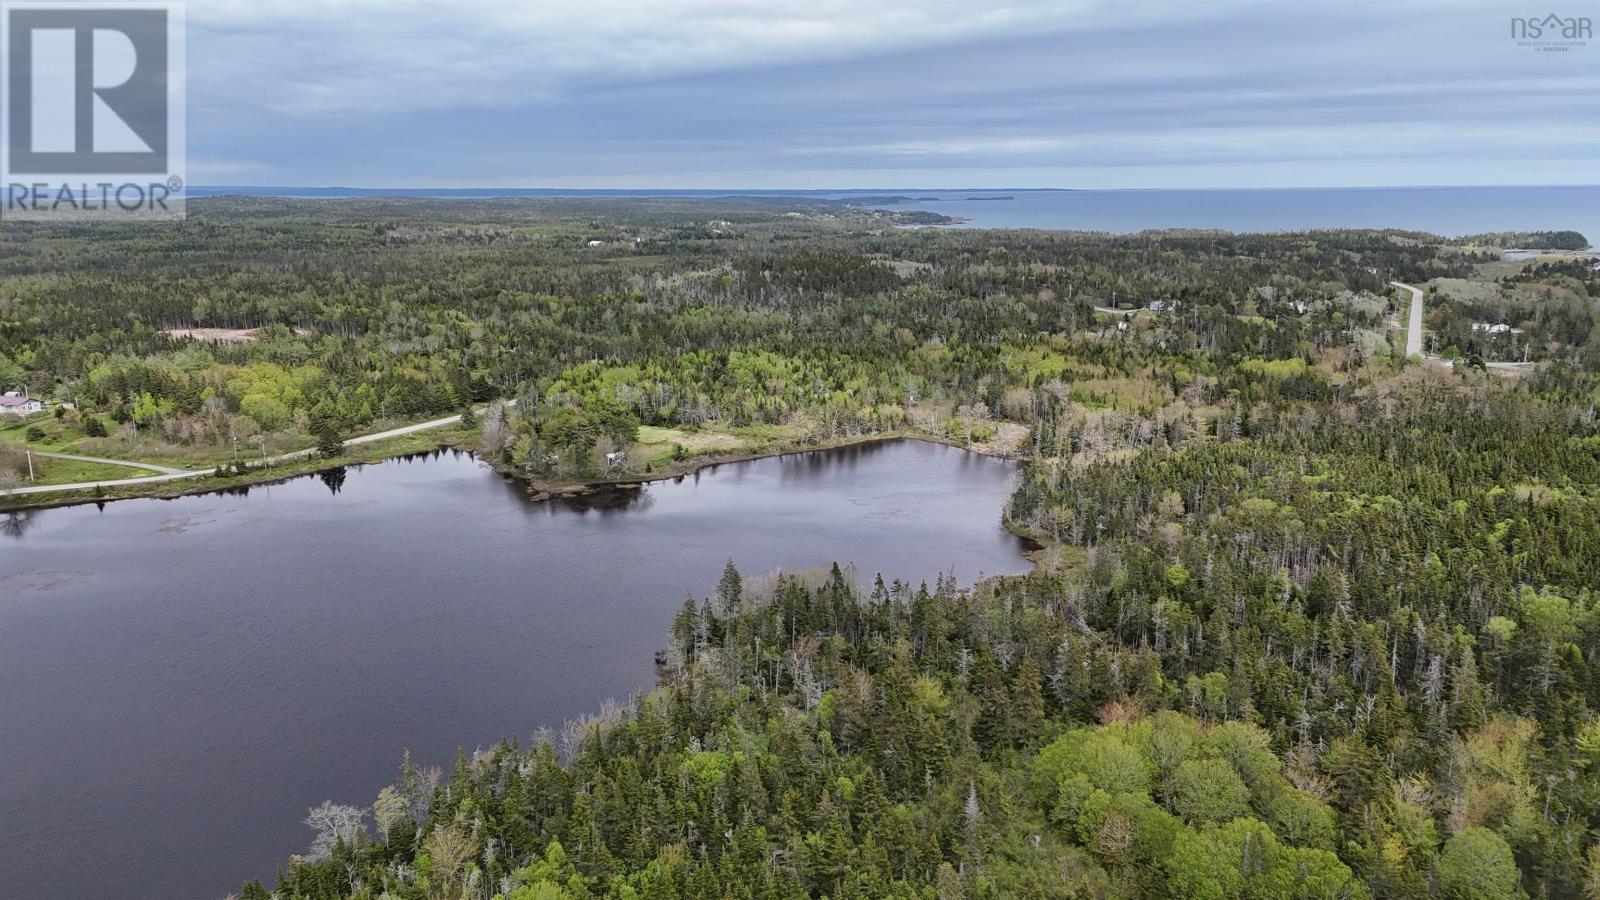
(224, 335)
(354, 454)
(661, 446)
(48, 470)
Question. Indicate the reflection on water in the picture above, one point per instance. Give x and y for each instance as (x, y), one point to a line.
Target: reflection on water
(180, 679)
(15, 524)
(333, 479)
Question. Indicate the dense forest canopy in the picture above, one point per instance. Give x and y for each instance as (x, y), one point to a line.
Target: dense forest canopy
(268, 320)
(1310, 619)
(1543, 240)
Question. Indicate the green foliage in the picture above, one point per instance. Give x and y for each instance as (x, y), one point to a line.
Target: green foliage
(1323, 609)
(326, 430)
(379, 310)
(1302, 820)
(1541, 240)
(1477, 865)
(731, 779)
(1208, 790)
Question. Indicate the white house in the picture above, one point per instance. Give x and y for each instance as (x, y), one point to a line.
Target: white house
(1497, 328)
(14, 403)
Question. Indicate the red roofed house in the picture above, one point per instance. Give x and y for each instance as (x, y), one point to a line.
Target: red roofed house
(15, 404)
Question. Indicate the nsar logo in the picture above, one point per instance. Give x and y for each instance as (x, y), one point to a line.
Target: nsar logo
(1552, 33)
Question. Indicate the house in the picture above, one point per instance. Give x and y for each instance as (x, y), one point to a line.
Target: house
(1499, 328)
(615, 458)
(597, 243)
(14, 403)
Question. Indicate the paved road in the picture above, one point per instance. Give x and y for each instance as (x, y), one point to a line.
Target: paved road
(177, 474)
(1414, 326)
(1414, 334)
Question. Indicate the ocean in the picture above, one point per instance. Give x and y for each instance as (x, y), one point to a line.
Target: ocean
(1447, 211)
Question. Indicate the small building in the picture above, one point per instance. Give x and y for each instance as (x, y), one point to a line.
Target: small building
(615, 458)
(597, 243)
(15, 403)
(1498, 328)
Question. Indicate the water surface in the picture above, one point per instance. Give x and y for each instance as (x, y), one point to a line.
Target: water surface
(181, 679)
(1447, 211)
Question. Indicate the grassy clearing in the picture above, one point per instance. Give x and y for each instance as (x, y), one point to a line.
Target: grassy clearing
(15, 430)
(420, 442)
(66, 436)
(71, 471)
(662, 445)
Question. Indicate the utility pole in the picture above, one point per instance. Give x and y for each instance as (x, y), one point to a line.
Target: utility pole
(30, 464)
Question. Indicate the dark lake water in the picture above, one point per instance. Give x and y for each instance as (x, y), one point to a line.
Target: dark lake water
(180, 680)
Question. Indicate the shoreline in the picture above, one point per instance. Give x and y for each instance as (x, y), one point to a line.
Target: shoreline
(548, 490)
(538, 489)
(380, 451)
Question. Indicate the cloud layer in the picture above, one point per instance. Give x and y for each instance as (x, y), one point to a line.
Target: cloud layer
(937, 93)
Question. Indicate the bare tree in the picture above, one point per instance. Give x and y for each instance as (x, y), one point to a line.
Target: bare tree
(334, 824)
(495, 432)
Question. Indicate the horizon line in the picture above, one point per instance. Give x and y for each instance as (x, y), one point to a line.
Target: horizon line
(754, 191)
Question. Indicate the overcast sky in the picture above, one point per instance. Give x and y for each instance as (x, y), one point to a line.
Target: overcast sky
(884, 93)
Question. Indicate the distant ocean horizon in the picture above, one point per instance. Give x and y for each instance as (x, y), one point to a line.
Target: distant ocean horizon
(1445, 211)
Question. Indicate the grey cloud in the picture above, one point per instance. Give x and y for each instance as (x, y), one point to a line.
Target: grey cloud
(1041, 94)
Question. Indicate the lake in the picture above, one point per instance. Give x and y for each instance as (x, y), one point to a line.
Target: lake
(181, 679)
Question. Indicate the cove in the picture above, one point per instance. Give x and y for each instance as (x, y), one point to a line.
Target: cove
(181, 679)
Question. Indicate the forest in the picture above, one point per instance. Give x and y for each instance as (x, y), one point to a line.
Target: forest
(757, 323)
(1308, 618)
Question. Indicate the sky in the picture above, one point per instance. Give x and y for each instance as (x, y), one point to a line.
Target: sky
(831, 94)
